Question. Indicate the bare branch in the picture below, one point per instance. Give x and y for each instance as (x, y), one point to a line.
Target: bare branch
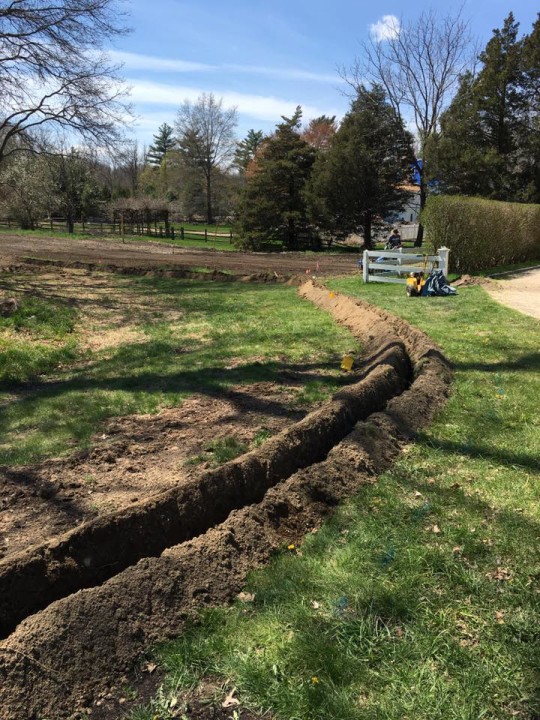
(52, 71)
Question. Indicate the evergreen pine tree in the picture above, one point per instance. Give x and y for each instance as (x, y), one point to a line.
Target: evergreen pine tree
(273, 207)
(480, 147)
(362, 173)
(531, 119)
(164, 141)
(246, 149)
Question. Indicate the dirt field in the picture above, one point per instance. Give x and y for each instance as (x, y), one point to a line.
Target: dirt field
(135, 458)
(14, 248)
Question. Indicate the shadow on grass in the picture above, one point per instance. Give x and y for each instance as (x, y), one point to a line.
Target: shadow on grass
(529, 362)
(141, 377)
(477, 450)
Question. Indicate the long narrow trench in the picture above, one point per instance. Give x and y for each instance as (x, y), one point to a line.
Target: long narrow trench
(210, 533)
(101, 548)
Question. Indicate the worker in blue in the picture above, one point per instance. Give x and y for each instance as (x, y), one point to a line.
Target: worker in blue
(394, 240)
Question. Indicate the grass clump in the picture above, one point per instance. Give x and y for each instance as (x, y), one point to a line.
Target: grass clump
(419, 599)
(219, 451)
(226, 449)
(316, 391)
(36, 339)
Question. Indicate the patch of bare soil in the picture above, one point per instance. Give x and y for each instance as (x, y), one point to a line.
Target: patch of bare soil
(210, 700)
(467, 280)
(60, 661)
(519, 290)
(145, 255)
(109, 310)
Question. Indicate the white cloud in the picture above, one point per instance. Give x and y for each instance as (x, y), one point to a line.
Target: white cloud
(135, 61)
(387, 28)
(285, 74)
(259, 107)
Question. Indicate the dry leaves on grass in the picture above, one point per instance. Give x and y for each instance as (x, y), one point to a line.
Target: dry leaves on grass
(230, 700)
(501, 574)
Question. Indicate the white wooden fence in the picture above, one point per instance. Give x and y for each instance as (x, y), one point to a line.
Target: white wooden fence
(408, 232)
(383, 265)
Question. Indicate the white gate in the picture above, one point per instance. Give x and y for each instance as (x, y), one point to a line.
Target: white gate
(385, 265)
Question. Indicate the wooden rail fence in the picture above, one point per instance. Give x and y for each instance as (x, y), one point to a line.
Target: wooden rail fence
(104, 228)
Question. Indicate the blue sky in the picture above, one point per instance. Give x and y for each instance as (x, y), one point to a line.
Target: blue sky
(264, 58)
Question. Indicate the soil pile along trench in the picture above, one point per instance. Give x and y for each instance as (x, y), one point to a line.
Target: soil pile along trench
(56, 660)
(102, 547)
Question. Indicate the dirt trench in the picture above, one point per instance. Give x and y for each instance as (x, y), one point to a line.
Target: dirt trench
(55, 662)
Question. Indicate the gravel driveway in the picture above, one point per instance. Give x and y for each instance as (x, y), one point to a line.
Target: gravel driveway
(519, 290)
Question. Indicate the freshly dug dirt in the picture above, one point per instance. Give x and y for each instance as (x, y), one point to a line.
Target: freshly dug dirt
(106, 545)
(134, 458)
(467, 280)
(57, 661)
(149, 256)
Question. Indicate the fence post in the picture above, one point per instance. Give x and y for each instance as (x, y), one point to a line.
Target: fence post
(172, 232)
(182, 232)
(230, 238)
(365, 267)
(205, 234)
(443, 253)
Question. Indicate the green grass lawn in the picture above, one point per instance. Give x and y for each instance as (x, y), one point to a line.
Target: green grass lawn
(188, 337)
(35, 340)
(420, 599)
(192, 236)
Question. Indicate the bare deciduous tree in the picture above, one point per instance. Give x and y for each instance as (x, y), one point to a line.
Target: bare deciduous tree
(206, 139)
(53, 73)
(418, 65)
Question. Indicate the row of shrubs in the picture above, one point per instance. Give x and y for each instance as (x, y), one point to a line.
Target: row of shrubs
(480, 233)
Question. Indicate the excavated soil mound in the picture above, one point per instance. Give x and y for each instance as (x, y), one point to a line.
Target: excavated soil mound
(468, 280)
(194, 545)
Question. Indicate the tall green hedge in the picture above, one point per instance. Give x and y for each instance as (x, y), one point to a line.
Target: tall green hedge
(482, 234)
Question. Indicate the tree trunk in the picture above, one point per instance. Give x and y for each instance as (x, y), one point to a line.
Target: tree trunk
(291, 234)
(167, 225)
(70, 224)
(367, 230)
(423, 196)
(209, 217)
